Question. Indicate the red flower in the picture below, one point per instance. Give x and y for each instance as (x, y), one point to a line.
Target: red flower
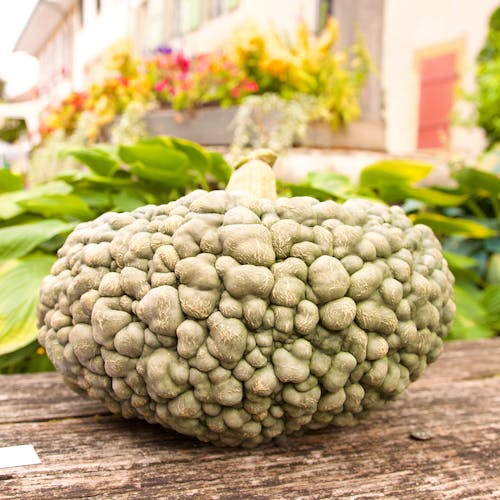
(250, 86)
(162, 85)
(182, 62)
(236, 92)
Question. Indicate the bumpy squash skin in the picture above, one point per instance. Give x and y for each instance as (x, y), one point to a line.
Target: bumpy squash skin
(237, 320)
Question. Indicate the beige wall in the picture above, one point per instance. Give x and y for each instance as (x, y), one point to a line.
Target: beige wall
(283, 13)
(76, 47)
(100, 30)
(56, 60)
(413, 26)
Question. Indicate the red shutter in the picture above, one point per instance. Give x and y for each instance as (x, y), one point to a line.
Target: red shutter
(437, 79)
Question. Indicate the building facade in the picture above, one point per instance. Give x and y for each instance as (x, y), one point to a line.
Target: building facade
(69, 37)
(421, 50)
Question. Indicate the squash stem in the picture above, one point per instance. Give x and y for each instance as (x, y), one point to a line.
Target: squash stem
(254, 175)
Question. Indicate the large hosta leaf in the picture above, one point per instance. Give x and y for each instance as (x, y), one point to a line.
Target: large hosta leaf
(19, 286)
(168, 177)
(197, 156)
(442, 224)
(471, 316)
(479, 182)
(10, 203)
(394, 171)
(392, 192)
(59, 205)
(154, 154)
(306, 190)
(9, 181)
(219, 168)
(490, 300)
(338, 185)
(100, 160)
(127, 200)
(19, 240)
(202, 161)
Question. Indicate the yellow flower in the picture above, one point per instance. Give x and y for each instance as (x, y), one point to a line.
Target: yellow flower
(303, 37)
(329, 35)
(340, 58)
(275, 66)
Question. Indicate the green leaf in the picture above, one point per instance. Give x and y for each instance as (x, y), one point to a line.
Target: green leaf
(338, 185)
(198, 159)
(99, 200)
(392, 192)
(493, 269)
(156, 161)
(201, 160)
(464, 268)
(9, 202)
(459, 261)
(20, 219)
(77, 178)
(463, 246)
(128, 200)
(100, 160)
(15, 357)
(19, 287)
(29, 359)
(304, 190)
(493, 244)
(170, 177)
(9, 181)
(219, 168)
(472, 180)
(393, 171)
(62, 205)
(155, 155)
(453, 226)
(16, 241)
(470, 320)
(490, 300)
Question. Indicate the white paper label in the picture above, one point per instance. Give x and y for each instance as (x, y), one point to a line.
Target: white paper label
(14, 456)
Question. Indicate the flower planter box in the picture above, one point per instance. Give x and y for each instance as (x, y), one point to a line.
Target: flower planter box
(355, 135)
(209, 126)
(213, 126)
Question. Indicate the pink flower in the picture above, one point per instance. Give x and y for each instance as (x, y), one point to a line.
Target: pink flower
(250, 86)
(182, 62)
(161, 85)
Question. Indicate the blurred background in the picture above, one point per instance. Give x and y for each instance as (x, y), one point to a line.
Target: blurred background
(397, 100)
(422, 55)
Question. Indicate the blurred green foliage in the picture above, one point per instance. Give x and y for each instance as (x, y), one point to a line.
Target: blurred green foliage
(11, 129)
(488, 81)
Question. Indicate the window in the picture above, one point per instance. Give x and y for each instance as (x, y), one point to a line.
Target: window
(220, 7)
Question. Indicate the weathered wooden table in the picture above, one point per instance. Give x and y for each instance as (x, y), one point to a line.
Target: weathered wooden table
(87, 453)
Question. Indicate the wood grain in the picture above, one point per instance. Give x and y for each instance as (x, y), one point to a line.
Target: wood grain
(88, 453)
